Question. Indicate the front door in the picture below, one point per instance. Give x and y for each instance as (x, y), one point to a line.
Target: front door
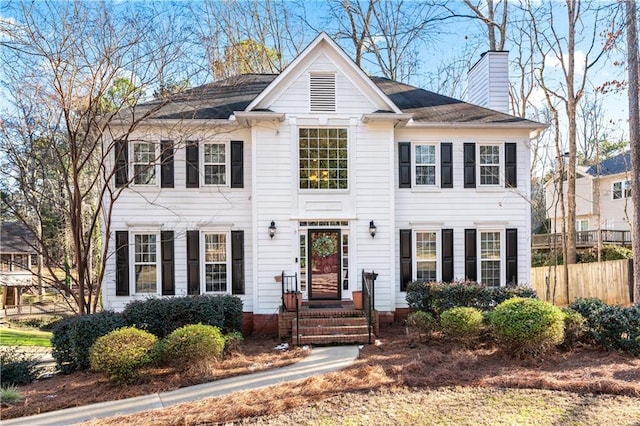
(324, 264)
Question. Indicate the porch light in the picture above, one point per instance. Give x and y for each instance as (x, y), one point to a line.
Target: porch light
(272, 229)
(372, 229)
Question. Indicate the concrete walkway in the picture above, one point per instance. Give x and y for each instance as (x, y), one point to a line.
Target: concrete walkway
(320, 361)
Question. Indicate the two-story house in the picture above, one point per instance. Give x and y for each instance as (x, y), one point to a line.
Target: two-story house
(603, 203)
(321, 171)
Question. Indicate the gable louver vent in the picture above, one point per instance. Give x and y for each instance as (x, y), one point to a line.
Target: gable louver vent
(323, 92)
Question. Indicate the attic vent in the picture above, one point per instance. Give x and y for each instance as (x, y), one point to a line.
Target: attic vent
(323, 92)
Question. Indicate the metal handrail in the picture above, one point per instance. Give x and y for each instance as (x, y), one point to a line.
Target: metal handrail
(368, 298)
(290, 285)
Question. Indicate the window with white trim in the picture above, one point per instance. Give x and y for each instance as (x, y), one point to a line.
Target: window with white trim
(146, 263)
(426, 257)
(144, 163)
(14, 262)
(490, 260)
(621, 190)
(215, 262)
(426, 164)
(490, 165)
(215, 163)
(323, 158)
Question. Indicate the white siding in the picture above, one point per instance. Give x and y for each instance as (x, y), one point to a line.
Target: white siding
(488, 81)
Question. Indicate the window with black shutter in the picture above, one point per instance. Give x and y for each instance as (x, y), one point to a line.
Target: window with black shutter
(122, 263)
(447, 255)
(510, 165)
(121, 163)
(237, 164)
(446, 165)
(168, 266)
(193, 262)
(512, 256)
(405, 259)
(470, 255)
(237, 262)
(469, 165)
(193, 172)
(166, 168)
(404, 166)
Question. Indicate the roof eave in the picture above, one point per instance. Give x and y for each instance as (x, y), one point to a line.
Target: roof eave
(247, 117)
(470, 125)
(381, 117)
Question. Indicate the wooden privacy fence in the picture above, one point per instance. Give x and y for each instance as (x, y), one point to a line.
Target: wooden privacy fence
(610, 281)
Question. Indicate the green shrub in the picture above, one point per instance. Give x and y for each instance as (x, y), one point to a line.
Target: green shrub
(193, 346)
(614, 327)
(528, 327)
(17, 367)
(73, 337)
(574, 327)
(161, 316)
(462, 323)
(232, 342)
(421, 322)
(438, 297)
(9, 395)
(123, 353)
(42, 323)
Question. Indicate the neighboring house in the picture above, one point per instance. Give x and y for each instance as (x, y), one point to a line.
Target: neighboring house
(16, 251)
(603, 202)
(260, 174)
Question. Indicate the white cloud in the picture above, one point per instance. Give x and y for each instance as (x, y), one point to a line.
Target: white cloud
(553, 61)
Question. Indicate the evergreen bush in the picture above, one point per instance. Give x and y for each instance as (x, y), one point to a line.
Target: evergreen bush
(193, 346)
(421, 322)
(17, 367)
(462, 323)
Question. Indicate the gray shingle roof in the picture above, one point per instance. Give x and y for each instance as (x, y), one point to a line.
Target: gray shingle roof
(619, 164)
(218, 101)
(15, 237)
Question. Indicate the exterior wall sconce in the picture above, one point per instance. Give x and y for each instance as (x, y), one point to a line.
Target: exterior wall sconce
(272, 230)
(372, 229)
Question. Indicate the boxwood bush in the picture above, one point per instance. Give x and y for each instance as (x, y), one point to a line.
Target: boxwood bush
(123, 353)
(438, 297)
(73, 337)
(614, 327)
(462, 323)
(527, 327)
(574, 327)
(17, 367)
(193, 346)
(160, 316)
(421, 322)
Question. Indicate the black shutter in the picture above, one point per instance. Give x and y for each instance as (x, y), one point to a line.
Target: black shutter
(404, 164)
(447, 255)
(405, 259)
(122, 263)
(237, 164)
(510, 165)
(166, 169)
(121, 160)
(193, 262)
(512, 256)
(193, 171)
(446, 165)
(470, 255)
(469, 165)
(168, 268)
(237, 262)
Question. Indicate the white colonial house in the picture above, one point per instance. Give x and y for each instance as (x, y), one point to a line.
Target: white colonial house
(321, 172)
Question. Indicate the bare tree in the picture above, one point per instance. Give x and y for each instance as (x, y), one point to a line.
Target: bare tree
(70, 71)
(489, 20)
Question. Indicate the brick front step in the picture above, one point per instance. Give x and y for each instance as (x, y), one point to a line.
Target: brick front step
(331, 322)
(328, 330)
(333, 338)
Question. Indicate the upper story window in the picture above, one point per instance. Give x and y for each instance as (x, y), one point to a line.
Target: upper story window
(622, 189)
(144, 163)
(146, 263)
(215, 164)
(426, 255)
(14, 262)
(215, 262)
(490, 263)
(426, 164)
(323, 159)
(489, 161)
(322, 92)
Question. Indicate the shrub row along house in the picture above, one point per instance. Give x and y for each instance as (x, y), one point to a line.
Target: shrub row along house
(321, 172)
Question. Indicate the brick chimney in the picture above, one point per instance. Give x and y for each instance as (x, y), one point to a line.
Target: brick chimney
(488, 81)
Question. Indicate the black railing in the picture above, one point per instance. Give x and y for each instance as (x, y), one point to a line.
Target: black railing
(368, 298)
(584, 239)
(292, 299)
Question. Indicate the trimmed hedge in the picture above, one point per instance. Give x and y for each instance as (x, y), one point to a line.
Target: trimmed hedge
(193, 346)
(122, 354)
(614, 327)
(462, 323)
(438, 297)
(72, 338)
(528, 327)
(161, 316)
(421, 322)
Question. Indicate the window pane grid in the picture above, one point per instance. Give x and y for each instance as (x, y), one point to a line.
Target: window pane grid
(489, 165)
(323, 159)
(621, 190)
(145, 266)
(144, 156)
(490, 258)
(425, 165)
(215, 258)
(426, 256)
(215, 170)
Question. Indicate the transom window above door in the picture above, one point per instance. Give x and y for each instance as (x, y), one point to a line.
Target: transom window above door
(323, 159)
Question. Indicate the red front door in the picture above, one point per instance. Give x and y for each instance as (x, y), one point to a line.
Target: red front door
(324, 264)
